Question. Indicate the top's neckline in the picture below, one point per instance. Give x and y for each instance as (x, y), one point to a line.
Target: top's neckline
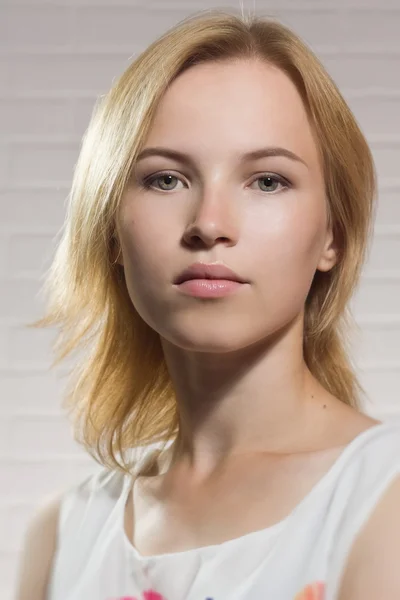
(267, 531)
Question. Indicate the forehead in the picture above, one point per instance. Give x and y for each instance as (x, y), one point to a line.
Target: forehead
(235, 105)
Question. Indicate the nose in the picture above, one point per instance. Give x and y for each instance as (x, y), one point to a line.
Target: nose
(215, 219)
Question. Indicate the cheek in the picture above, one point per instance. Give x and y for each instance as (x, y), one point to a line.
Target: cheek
(147, 247)
(285, 246)
(142, 270)
(142, 252)
(142, 231)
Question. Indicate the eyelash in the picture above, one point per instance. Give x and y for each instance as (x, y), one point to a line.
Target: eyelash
(147, 182)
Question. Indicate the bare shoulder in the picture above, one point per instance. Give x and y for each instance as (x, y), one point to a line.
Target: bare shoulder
(372, 568)
(38, 549)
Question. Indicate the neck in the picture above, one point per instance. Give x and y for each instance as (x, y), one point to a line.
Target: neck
(262, 399)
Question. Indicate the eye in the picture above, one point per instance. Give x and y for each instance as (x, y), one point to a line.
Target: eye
(168, 179)
(272, 182)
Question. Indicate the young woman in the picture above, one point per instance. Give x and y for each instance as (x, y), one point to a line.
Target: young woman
(218, 222)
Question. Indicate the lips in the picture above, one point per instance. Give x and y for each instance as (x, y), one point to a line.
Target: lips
(208, 271)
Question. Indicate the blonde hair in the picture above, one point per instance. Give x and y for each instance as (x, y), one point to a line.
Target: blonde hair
(120, 394)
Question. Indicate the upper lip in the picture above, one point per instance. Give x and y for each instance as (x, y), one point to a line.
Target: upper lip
(208, 271)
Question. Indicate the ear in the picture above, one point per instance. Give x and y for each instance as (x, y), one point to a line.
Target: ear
(330, 252)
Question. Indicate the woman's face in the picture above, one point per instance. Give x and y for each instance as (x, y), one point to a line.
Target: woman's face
(265, 218)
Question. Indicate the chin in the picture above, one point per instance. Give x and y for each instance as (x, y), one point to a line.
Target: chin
(211, 340)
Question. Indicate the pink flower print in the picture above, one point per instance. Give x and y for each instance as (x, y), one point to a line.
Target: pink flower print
(152, 595)
(147, 595)
(312, 591)
(123, 598)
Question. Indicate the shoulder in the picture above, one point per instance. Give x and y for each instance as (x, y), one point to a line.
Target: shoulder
(66, 517)
(58, 521)
(372, 453)
(368, 465)
(38, 549)
(87, 504)
(367, 516)
(372, 570)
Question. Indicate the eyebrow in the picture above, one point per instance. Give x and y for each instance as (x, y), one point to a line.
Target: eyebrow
(188, 160)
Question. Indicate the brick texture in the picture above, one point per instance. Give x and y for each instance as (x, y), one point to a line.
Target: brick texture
(56, 57)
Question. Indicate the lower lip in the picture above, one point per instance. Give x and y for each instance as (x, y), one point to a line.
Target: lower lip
(209, 288)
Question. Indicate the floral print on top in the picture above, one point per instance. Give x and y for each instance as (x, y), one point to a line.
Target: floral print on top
(147, 595)
(312, 591)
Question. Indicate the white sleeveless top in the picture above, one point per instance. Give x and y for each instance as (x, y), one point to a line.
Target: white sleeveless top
(299, 558)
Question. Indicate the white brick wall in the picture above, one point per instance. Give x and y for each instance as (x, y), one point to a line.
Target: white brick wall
(55, 58)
